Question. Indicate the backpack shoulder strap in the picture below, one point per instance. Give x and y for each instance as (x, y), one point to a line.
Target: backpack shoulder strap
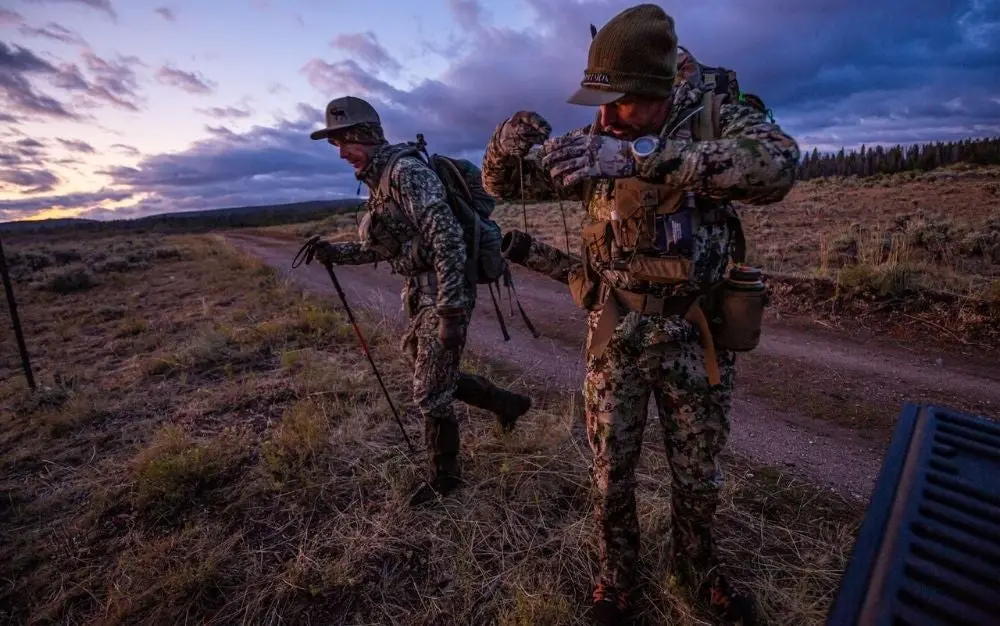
(383, 183)
(707, 126)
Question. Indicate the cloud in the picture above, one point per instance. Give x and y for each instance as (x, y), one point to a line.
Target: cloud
(112, 82)
(28, 180)
(126, 149)
(166, 13)
(868, 74)
(191, 82)
(366, 47)
(16, 89)
(10, 18)
(53, 31)
(27, 207)
(226, 112)
(468, 13)
(77, 145)
(101, 5)
(263, 165)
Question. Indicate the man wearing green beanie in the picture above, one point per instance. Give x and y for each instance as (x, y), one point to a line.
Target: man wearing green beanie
(657, 172)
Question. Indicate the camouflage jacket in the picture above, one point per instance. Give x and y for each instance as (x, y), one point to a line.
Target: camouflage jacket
(752, 161)
(418, 220)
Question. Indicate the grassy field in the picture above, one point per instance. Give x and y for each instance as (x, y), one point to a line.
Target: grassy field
(208, 445)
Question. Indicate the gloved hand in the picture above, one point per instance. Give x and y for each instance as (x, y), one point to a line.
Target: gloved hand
(521, 131)
(570, 159)
(450, 327)
(323, 251)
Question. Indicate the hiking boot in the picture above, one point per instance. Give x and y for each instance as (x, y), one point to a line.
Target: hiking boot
(509, 407)
(610, 607)
(479, 392)
(726, 602)
(428, 491)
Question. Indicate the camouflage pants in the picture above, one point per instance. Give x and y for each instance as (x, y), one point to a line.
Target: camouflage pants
(662, 357)
(435, 376)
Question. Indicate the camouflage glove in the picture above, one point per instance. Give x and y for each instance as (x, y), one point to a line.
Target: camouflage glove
(450, 327)
(571, 159)
(523, 130)
(323, 252)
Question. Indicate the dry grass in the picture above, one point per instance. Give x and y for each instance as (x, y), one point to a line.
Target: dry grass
(209, 446)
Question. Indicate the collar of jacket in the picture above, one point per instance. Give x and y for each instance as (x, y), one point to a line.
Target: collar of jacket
(371, 174)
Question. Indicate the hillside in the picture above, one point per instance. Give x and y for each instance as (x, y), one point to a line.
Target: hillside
(190, 221)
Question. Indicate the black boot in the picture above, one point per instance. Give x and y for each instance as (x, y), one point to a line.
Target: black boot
(444, 474)
(610, 608)
(479, 392)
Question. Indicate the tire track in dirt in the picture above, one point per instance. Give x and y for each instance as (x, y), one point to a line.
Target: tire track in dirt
(825, 453)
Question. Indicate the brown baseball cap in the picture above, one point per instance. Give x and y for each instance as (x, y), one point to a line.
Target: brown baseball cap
(344, 113)
(634, 53)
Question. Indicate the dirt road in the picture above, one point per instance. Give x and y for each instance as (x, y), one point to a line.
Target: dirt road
(824, 452)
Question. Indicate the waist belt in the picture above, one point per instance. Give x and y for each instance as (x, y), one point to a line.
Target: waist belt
(648, 304)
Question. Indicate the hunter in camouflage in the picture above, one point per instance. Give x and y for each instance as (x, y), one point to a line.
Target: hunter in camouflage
(659, 350)
(410, 225)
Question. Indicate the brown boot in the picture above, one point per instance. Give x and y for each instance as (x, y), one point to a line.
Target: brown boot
(479, 392)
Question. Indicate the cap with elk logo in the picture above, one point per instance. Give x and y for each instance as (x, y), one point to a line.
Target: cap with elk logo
(352, 119)
(635, 53)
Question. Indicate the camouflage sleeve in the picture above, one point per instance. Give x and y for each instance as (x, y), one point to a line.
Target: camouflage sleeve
(540, 257)
(754, 161)
(348, 253)
(419, 193)
(502, 177)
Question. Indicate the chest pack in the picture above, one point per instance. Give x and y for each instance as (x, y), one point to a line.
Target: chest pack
(472, 207)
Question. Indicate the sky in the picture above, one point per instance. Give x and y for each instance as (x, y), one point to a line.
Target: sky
(115, 109)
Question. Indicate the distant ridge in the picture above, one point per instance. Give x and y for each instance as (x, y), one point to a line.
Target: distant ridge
(197, 220)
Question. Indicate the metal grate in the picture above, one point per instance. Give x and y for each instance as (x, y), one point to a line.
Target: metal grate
(928, 551)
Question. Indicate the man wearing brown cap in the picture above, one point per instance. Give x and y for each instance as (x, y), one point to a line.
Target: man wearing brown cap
(656, 172)
(410, 225)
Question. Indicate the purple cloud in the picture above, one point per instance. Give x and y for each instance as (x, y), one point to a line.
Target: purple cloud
(28, 180)
(166, 13)
(75, 145)
(114, 82)
(191, 82)
(100, 5)
(126, 149)
(226, 112)
(365, 46)
(53, 31)
(10, 18)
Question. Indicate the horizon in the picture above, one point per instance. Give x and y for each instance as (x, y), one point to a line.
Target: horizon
(113, 113)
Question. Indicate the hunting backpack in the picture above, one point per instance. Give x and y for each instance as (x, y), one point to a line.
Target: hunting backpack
(718, 81)
(472, 207)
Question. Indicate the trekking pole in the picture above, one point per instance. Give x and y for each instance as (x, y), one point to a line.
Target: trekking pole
(12, 305)
(307, 252)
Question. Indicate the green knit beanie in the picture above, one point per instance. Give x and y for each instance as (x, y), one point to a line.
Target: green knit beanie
(635, 53)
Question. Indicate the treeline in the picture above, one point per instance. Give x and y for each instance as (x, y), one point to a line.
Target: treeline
(192, 221)
(916, 157)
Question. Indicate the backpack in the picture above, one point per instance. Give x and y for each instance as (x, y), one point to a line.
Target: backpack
(472, 207)
(720, 83)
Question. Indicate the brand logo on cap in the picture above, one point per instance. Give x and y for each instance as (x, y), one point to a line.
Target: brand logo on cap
(596, 78)
(338, 114)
